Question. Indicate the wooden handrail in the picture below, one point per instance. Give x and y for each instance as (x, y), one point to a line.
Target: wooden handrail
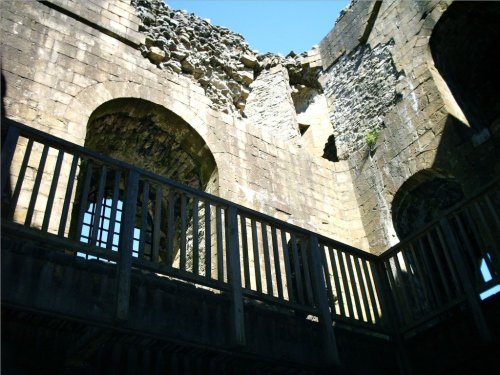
(293, 267)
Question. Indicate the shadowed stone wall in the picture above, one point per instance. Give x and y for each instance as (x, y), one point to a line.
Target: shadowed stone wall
(379, 75)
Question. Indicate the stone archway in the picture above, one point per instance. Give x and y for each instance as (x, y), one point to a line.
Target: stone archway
(423, 198)
(153, 138)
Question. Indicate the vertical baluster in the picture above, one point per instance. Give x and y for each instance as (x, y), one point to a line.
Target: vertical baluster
(244, 243)
(354, 286)
(486, 225)
(144, 220)
(336, 280)
(480, 241)
(437, 260)
(36, 186)
(276, 256)
(98, 209)
(52, 192)
(414, 298)
(492, 234)
(390, 313)
(321, 298)
(297, 268)
(383, 288)
(373, 303)
(226, 236)
(234, 276)
(126, 245)
(394, 289)
(256, 260)
(196, 240)
(494, 214)
(157, 224)
(170, 227)
(288, 272)
(183, 239)
(84, 198)
(220, 248)
(364, 296)
(208, 240)
(420, 273)
(429, 273)
(472, 297)
(20, 178)
(449, 262)
(267, 261)
(67, 196)
(345, 283)
(402, 287)
(328, 280)
(307, 277)
(114, 217)
(469, 248)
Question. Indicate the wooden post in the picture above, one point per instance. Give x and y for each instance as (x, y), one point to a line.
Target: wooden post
(8, 150)
(389, 315)
(237, 313)
(321, 298)
(125, 246)
(472, 297)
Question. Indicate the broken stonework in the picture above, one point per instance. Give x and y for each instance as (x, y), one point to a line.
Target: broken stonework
(217, 58)
(209, 54)
(361, 89)
(270, 104)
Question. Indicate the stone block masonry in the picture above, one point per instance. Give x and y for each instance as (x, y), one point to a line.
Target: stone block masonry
(380, 76)
(363, 86)
(270, 104)
(270, 122)
(59, 70)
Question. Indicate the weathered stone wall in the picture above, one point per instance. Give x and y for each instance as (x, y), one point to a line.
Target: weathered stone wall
(270, 105)
(377, 60)
(362, 88)
(270, 122)
(60, 67)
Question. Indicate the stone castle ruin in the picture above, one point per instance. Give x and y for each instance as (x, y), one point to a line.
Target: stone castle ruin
(390, 104)
(389, 122)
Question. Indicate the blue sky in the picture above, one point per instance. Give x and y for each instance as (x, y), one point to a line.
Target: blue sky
(278, 26)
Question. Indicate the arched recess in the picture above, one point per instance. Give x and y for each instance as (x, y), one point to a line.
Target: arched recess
(155, 139)
(463, 46)
(423, 198)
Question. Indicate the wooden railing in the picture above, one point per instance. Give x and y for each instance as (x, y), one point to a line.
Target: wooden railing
(100, 208)
(451, 261)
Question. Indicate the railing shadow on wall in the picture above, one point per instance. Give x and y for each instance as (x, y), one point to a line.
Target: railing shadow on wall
(96, 207)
